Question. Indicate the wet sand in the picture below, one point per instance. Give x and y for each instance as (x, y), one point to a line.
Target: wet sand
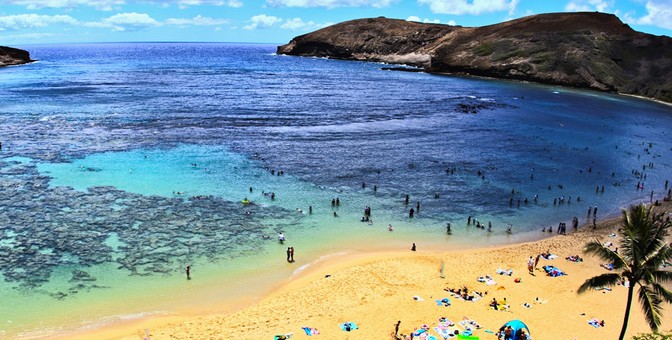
(376, 290)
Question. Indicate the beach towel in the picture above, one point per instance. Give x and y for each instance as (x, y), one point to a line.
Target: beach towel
(553, 271)
(445, 333)
(596, 323)
(443, 302)
(283, 336)
(608, 266)
(468, 324)
(348, 326)
(445, 323)
(419, 332)
(487, 280)
(310, 331)
(501, 271)
(467, 337)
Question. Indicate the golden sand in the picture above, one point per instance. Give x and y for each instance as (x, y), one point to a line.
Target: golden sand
(377, 290)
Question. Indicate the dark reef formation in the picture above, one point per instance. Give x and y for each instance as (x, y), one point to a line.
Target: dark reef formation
(585, 50)
(13, 56)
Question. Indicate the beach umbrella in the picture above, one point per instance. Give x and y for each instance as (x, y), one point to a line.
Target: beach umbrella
(516, 325)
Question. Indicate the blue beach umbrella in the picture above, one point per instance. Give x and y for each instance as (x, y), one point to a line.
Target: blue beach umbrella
(516, 325)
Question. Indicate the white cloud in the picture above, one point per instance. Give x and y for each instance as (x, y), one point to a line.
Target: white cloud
(26, 36)
(262, 21)
(426, 21)
(104, 5)
(298, 24)
(127, 22)
(452, 23)
(330, 3)
(196, 21)
(473, 7)
(229, 3)
(658, 14)
(22, 21)
(588, 5)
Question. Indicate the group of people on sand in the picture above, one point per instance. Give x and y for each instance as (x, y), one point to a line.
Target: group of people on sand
(463, 293)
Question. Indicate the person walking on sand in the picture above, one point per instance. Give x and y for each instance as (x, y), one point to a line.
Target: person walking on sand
(413, 247)
(396, 329)
(530, 265)
(188, 270)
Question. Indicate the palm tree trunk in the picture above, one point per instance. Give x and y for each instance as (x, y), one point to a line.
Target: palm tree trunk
(631, 291)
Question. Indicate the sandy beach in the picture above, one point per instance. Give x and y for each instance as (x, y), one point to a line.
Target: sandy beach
(376, 290)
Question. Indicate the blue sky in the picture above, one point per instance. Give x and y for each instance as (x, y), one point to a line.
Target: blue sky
(276, 21)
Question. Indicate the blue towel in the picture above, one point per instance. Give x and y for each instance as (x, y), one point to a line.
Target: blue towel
(344, 326)
(444, 301)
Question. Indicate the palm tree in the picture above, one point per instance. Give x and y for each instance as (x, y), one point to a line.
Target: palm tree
(642, 251)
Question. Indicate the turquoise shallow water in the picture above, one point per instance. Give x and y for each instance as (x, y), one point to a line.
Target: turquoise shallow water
(123, 163)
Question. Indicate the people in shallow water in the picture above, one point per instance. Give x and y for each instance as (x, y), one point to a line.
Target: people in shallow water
(281, 237)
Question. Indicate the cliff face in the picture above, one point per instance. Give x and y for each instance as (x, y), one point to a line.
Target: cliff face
(13, 56)
(589, 50)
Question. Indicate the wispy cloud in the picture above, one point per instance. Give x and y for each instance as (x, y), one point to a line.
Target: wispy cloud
(475, 7)
(425, 20)
(187, 3)
(330, 3)
(297, 24)
(23, 21)
(262, 21)
(103, 5)
(196, 21)
(130, 22)
(658, 13)
(588, 5)
(126, 22)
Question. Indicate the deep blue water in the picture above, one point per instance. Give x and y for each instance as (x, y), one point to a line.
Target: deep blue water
(212, 120)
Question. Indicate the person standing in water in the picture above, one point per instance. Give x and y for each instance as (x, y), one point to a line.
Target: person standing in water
(188, 270)
(291, 254)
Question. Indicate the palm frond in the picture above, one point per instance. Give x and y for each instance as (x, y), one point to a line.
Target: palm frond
(662, 276)
(662, 292)
(597, 249)
(608, 280)
(658, 257)
(650, 303)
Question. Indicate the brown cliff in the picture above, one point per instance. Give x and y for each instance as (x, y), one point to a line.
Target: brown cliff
(587, 50)
(13, 56)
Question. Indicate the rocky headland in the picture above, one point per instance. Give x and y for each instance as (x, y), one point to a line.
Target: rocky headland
(13, 56)
(585, 50)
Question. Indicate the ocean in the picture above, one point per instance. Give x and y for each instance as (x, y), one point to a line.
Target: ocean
(121, 164)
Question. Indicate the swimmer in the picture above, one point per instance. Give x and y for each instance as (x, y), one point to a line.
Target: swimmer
(390, 228)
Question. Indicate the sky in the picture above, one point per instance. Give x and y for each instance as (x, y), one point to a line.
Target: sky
(26, 22)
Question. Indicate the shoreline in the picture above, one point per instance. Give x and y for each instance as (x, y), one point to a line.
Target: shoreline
(366, 285)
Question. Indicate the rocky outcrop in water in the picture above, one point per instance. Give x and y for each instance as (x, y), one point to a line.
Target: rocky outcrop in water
(13, 56)
(586, 50)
